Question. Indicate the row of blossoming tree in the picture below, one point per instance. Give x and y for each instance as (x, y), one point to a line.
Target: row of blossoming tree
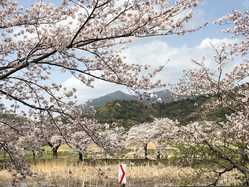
(84, 39)
(224, 144)
(80, 38)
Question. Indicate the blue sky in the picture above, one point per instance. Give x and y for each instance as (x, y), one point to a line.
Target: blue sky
(175, 51)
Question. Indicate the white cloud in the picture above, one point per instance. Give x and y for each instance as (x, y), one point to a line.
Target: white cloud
(176, 59)
(208, 42)
(155, 53)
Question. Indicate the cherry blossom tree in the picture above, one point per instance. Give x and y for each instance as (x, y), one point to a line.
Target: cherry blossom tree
(85, 130)
(55, 143)
(18, 136)
(158, 131)
(221, 79)
(82, 38)
(238, 22)
(227, 140)
(225, 144)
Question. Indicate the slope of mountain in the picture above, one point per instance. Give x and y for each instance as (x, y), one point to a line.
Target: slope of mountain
(118, 95)
(165, 95)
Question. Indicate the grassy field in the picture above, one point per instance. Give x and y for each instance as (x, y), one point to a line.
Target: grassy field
(68, 174)
(67, 171)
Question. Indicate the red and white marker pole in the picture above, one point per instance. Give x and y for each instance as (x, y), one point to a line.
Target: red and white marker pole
(121, 174)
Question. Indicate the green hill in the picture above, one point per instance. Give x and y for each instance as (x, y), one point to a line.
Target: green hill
(128, 113)
(125, 112)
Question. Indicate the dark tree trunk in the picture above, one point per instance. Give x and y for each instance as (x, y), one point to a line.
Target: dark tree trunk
(158, 155)
(54, 150)
(80, 157)
(34, 156)
(146, 151)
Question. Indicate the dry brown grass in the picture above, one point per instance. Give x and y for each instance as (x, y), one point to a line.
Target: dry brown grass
(70, 174)
(5, 175)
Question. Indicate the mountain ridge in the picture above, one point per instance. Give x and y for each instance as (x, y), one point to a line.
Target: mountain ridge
(165, 95)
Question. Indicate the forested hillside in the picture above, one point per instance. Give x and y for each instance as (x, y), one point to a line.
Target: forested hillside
(128, 113)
